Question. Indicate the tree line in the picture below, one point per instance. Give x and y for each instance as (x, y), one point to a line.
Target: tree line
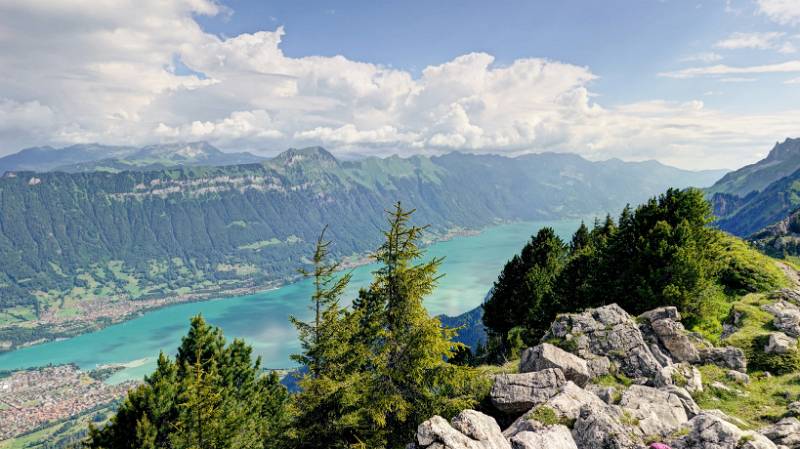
(661, 253)
(374, 370)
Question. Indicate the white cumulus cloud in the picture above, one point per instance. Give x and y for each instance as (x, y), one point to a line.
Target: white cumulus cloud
(785, 12)
(79, 71)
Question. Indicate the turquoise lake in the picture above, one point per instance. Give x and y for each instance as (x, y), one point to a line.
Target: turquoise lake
(471, 264)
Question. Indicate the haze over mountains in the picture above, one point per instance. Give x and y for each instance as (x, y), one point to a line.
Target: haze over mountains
(96, 157)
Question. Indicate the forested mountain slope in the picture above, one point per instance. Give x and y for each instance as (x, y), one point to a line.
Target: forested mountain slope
(68, 238)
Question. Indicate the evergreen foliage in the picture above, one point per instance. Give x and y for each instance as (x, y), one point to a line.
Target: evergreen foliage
(388, 371)
(661, 253)
(212, 395)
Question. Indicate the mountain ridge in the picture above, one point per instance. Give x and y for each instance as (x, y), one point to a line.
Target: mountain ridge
(76, 242)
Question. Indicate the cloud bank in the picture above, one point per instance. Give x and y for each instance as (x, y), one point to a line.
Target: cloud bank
(144, 71)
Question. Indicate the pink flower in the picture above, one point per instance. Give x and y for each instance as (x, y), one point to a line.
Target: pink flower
(659, 446)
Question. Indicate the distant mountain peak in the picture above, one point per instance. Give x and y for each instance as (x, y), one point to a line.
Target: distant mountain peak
(182, 150)
(294, 156)
(783, 160)
(784, 150)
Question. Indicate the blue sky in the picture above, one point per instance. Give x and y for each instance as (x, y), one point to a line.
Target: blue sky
(626, 43)
(695, 84)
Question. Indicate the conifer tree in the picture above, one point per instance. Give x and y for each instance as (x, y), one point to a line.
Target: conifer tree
(408, 379)
(211, 396)
(319, 337)
(327, 353)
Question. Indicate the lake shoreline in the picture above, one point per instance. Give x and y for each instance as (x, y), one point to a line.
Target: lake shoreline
(67, 329)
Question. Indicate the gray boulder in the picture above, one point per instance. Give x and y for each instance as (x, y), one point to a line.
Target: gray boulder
(609, 332)
(566, 406)
(546, 356)
(470, 429)
(682, 375)
(662, 328)
(785, 432)
(599, 366)
(787, 317)
(707, 431)
(689, 405)
(738, 377)
(794, 409)
(518, 393)
(780, 343)
(552, 437)
(656, 412)
(725, 357)
(608, 394)
(606, 427)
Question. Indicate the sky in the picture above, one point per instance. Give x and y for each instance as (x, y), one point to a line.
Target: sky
(695, 84)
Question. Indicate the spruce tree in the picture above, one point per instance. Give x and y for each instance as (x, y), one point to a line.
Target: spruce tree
(211, 396)
(408, 379)
(318, 337)
(327, 353)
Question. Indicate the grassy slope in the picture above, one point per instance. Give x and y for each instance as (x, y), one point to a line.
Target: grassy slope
(765, 399)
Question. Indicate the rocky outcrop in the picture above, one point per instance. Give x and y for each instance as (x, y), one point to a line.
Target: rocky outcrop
(563, 407)
(518, 393)
(708, 431)
(727, 357)
(546, 356)
(557, 400)
(656, 412)
(552, 437)
(605, 426)
(469, 430)
(607, 332)
(785, 432)
(787, 317)
(682, 375)
(663, 329)
(780, 343)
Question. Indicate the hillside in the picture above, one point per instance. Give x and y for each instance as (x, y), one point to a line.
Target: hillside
(79, 246)
(607, 375)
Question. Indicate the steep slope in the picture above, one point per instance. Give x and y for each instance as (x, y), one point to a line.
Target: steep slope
(781, 238)
(745, 216)
(74, 243)
(759, 195)
(783, 160)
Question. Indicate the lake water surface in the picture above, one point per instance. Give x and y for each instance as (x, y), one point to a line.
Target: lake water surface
(471, 265)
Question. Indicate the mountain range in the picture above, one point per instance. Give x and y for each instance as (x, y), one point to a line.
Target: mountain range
(69, 239)
(96, 157)
(759, 195)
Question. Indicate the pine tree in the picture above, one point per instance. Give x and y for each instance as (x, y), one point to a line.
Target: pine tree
(327, 355)
(211, 396)
(580, 239)
(319, 337)
(522, 300)
(409, 379)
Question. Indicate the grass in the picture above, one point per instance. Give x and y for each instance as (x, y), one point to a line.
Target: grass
(548, 417)
(761, 402)
(755, 325)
